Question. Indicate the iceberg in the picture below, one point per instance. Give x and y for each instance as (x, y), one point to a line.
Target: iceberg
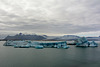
(83, 42)
(93, 44)
(38, 45)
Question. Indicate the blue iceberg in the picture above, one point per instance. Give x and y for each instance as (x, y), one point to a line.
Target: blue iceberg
(83, 42)
(38, 45)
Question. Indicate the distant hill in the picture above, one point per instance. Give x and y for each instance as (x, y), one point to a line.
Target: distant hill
(21, 36)
(70, 38)
(66, 37)
(2, 36)
(93, 38)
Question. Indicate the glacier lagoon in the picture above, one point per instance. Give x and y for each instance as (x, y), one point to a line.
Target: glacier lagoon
(49, 57)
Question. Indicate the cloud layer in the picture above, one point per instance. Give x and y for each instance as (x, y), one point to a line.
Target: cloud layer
(50, 16)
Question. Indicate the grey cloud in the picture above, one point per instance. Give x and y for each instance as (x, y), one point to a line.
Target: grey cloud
(50, 16)
(55, 28)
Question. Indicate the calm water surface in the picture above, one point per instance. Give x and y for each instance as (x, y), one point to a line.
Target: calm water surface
(49, 57)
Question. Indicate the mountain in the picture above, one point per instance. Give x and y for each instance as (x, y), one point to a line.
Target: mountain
(21, 36)
(93, 38)
(2, 36)
(71, 37)
(68, 37)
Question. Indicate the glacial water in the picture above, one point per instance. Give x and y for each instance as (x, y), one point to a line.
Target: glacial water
(49, 57)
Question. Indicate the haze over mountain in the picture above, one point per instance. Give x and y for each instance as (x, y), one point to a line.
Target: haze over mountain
(21, 36)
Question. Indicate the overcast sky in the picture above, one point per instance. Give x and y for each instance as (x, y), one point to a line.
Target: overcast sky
(50, 17)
